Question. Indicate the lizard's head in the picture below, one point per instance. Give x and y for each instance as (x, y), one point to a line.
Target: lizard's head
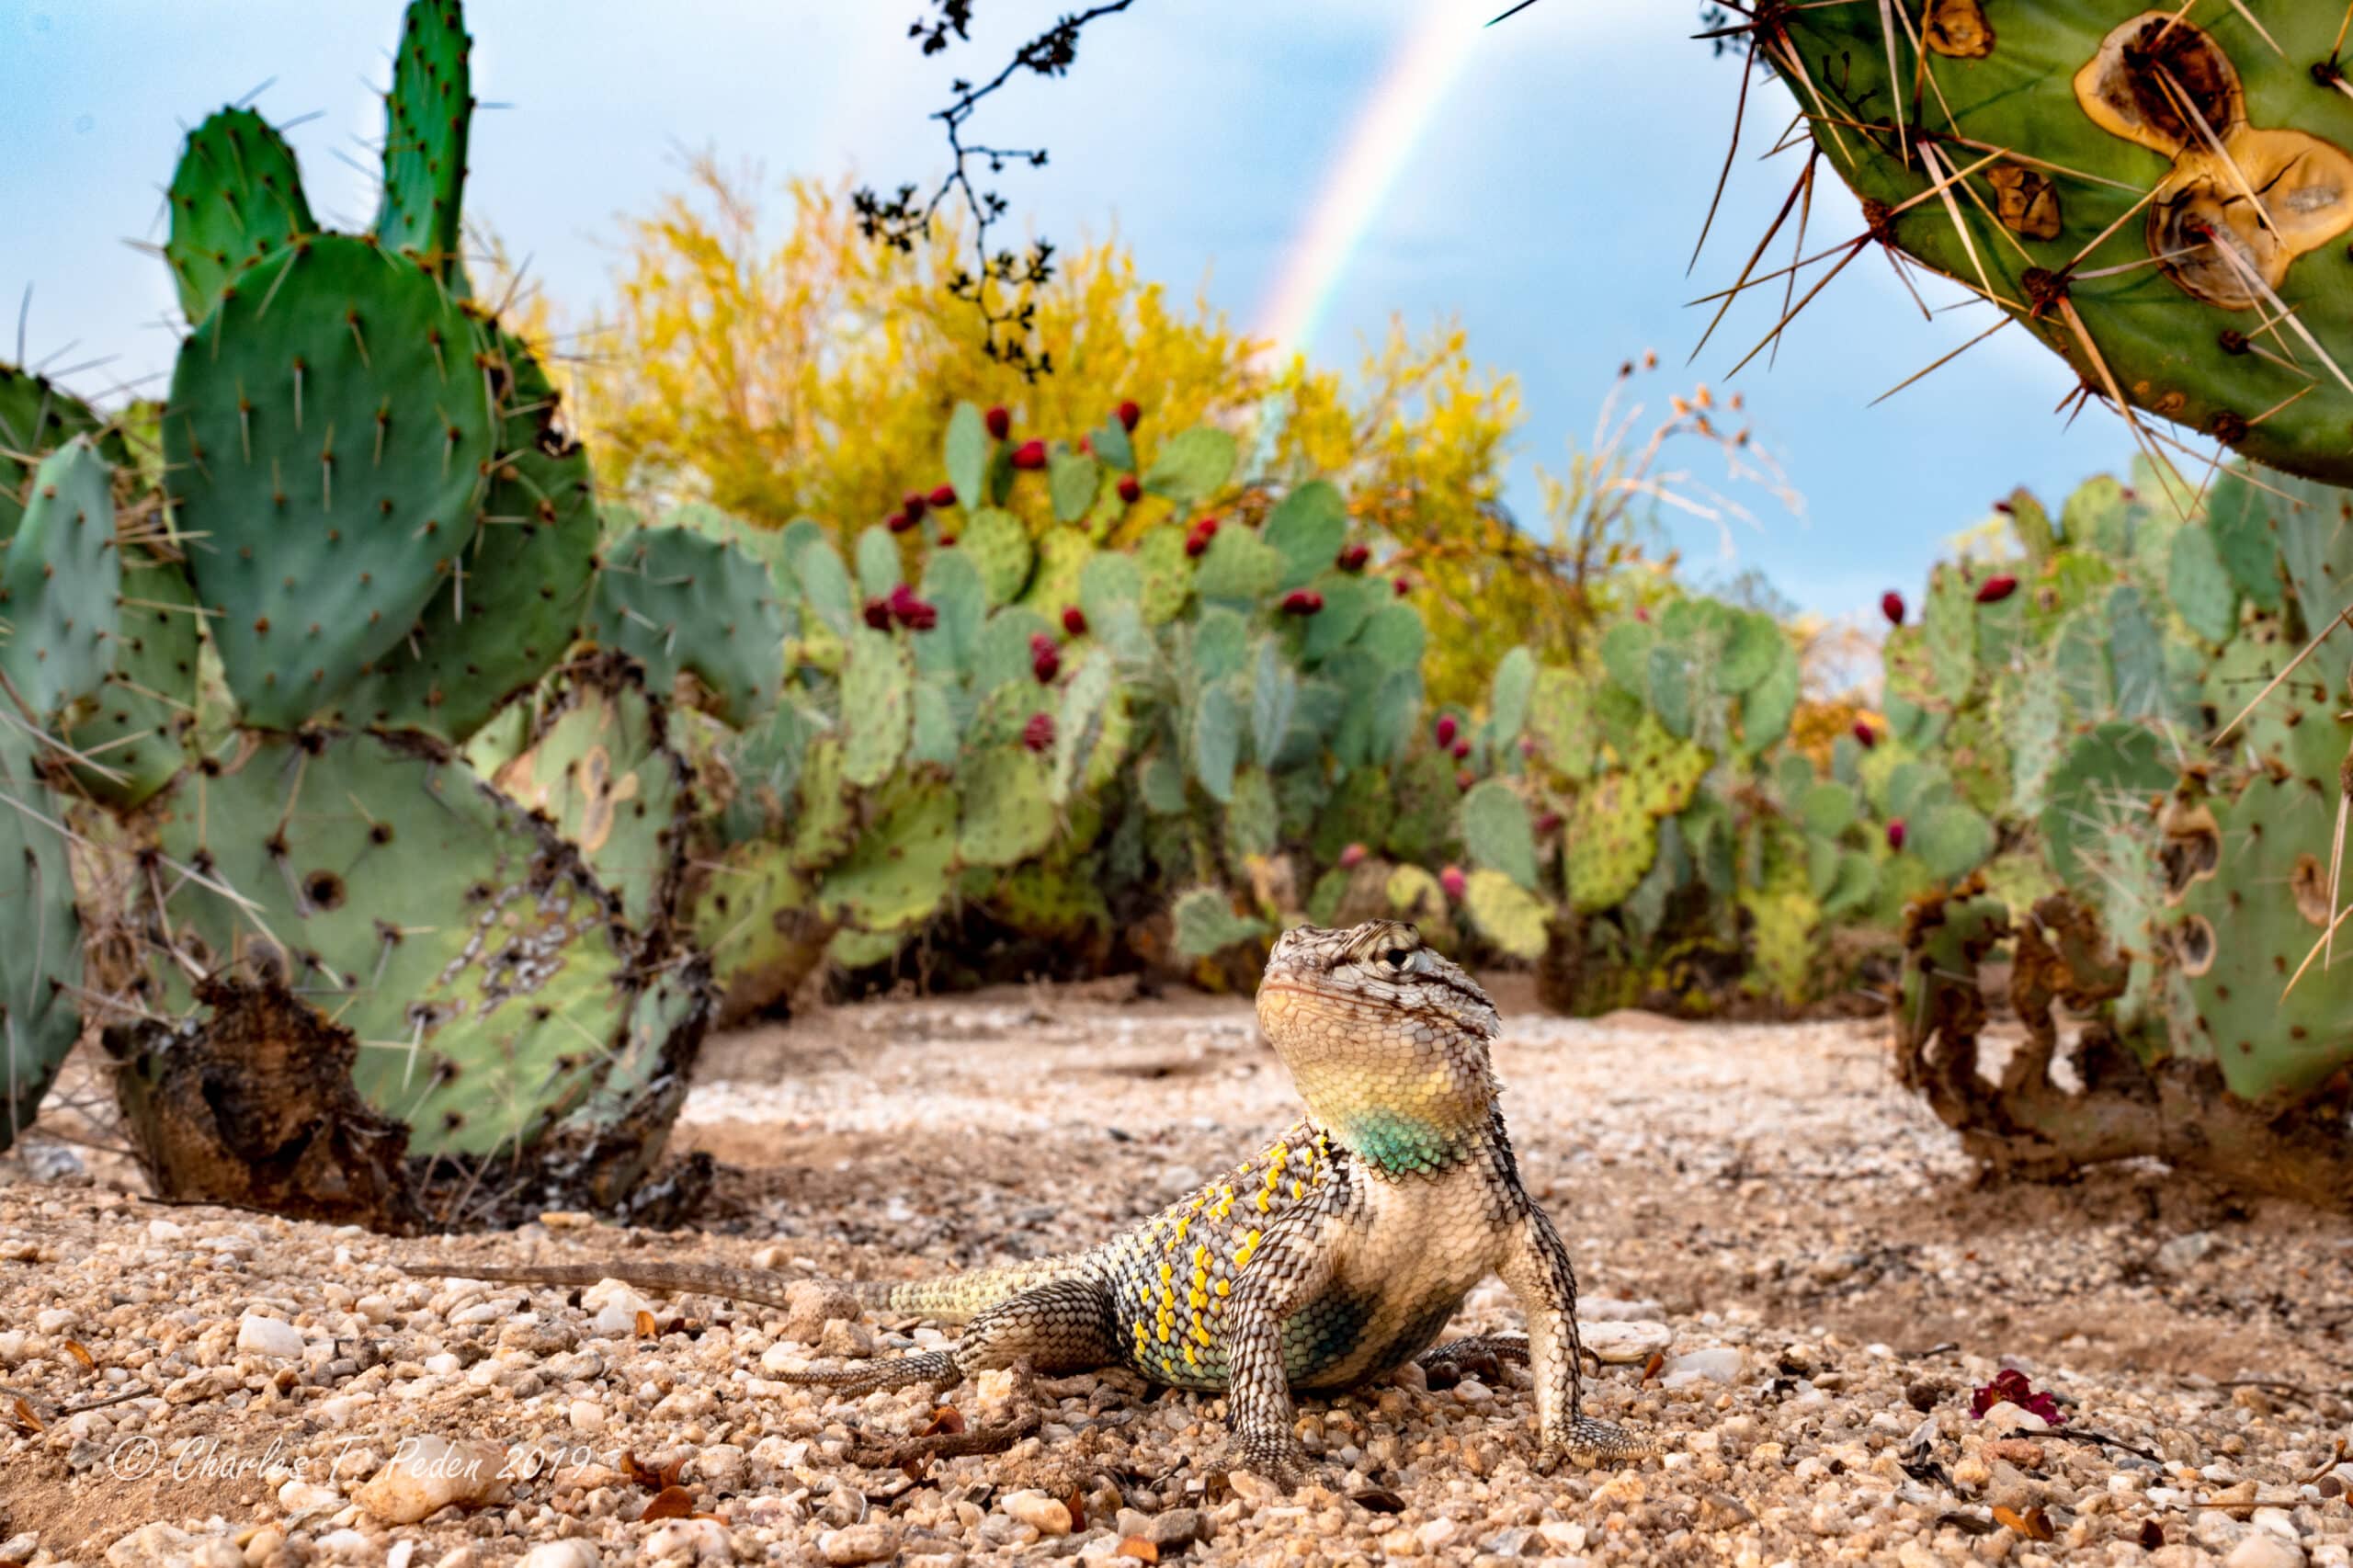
(1386, 1037)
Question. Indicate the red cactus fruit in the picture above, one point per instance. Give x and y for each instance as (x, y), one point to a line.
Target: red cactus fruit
(1865, 736)
(1129, 415)
(1404, 585)
(1029, 455)
(1890, 605)
(1462, 749)
(944, 497)
(1642, 614)
(1446, 730)
(914, 503)
(1353, 558)
(898, 522)
(1453, 881)
(999, 421)
(1996, 588)
(1353, 856)
(1045, 658)
(914, 614)
(1527, 746)
(1039, 733)
(1086, 444)
(1131, 490)
(1895, 834)
(1194, 544)
(1302, 601)
(877, 613)
(1074, 621)
(1550, 821)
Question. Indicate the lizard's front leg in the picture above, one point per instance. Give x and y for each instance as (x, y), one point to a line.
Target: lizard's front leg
(1536, 1266)
(1293, 1265)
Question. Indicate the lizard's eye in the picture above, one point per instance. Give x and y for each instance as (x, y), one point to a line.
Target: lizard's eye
(1397, 957)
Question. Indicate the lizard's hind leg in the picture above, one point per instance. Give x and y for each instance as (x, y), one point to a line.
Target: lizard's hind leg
(1063, 1325)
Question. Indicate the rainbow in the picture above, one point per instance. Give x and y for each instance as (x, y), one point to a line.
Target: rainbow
(1428, 60)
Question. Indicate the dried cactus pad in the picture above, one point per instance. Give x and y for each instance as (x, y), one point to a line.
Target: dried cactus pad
(466, 946)
(327, 437)
(2159, 197)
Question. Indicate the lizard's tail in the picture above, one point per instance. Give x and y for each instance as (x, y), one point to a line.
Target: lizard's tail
(950, 1298)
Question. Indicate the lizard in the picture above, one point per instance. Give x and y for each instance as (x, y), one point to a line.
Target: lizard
(1331, 1258)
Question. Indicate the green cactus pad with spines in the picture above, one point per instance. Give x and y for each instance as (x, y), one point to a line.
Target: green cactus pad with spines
(825, 582)
(1220, 644)
(878, 568)
(2201, 586)
(464, 943)
(2035, 725)
(765, 763)
(41, 965)
(1509, 693)
(824, 821)
(1852, 886)
(1238, 567)
(1008, 814)
(2294, 728)
(900, 870)
(1949, 634)
(1952, 839)
(2110, 773)
(1168, 573)
(1048, 903)
(2252, 925)
(1626, 657)
(1828, 808)
(995, 541)
(965, 452)
(1348, 603)
(235, 197)
(1562, 719)
(1274, 699)
(877, 707)
(513, 608)
(1766, 708)
(1206, 924)
(37, 417)
(1393, 635)
(1358, 813)
(1001, 653)
(1083, 730)
(1422, 824)
(2110, 220)
(601, 767)
(427, 117)
(1191, 466)
(1497, 832)
(1062, 558)
(677, 601)
(328, 434)
(935, 738)
(1306, 528)
(1609, 844)
(1214, 741)
(951, 585)
(61, 585)
(1506, 914)
(1663, 771)
(1072, 480)
(135, 727)
(2239, 514)
(1253, 819)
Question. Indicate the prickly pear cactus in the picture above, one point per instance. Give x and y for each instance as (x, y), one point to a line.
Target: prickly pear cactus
(427, 117)
(41, 965)
(329, 432)
(2156, 196)
(61, 585)
(678, 601)
(464, 943)
(235, 197)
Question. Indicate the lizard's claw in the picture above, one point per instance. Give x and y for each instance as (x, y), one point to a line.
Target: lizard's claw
(1593, 1440)
(1280, 1461)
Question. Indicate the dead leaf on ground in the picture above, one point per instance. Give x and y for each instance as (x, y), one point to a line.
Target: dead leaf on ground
(671, 1503)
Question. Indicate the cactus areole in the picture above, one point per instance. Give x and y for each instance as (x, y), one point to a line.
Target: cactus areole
(2160, 195)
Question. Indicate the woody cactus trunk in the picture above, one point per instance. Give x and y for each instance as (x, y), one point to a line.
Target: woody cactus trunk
(2160, 195)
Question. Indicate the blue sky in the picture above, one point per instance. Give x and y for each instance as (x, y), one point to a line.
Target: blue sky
(1552, 205)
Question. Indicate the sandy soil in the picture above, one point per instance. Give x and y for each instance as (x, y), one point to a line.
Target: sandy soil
(1806, 1244)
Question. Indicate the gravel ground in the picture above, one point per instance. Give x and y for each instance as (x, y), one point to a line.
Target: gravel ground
(1786, 1260)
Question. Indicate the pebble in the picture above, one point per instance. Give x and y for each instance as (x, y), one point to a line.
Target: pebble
(870, 1542)
(572, 1553)
(2261, 1548)
(2183, 1253)
(269, 1337)
(164, 1546)
(429, 1472)
(2002, 1417)
(1619, 1343)
(1039, 1512)
(704, 1540)
(1720, 1365)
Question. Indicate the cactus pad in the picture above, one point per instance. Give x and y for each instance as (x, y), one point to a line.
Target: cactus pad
(1507, 914)
(235, 197)
(899, 871)
(1497, 832)
(1008, 814)
(997, 543)
(877, 707)
(427, 117)
(61, 585)
(327, 435)
(39, 1019)
(1609, 842)
(674, 600)
(1206, 924)
(134, 729)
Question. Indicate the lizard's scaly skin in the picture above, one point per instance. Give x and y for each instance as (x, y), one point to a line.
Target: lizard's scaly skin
(1333, 1256)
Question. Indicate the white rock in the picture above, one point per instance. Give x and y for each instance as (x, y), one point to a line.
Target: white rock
(347, 1546)
(2261, 1548)
(164, 1231)
(870, 1542)
(1436, 1533)
(2002, 1417)
(585, 1415)
(1617, 1308)
(428, 1474)
(1720, 1365)
(1620, 1342)
(162, 1546)
(561, 1554)
(2184, 1251)
(55, 1320)
(1039, 1512)
(269, 1337)
(705, 1540)
(616, 1306)
(308, 1497)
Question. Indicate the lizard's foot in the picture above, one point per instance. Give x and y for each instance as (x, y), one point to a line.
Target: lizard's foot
(1278, 1460)
(1591, 1439)
(938, 1368)
(1481, 1355)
